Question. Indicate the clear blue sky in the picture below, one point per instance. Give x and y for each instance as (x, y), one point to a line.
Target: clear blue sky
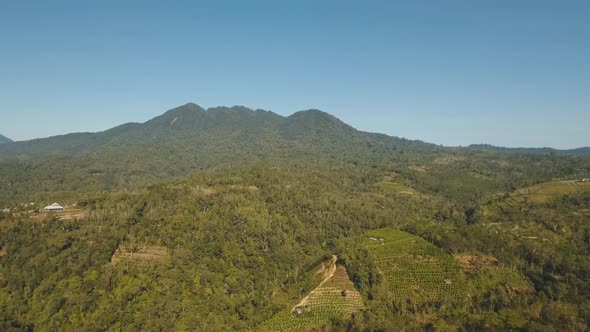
(511, 73)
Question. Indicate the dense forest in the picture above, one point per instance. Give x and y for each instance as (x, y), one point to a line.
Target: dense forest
(220, 219)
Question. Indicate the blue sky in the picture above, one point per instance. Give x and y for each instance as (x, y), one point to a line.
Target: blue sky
(511, 73)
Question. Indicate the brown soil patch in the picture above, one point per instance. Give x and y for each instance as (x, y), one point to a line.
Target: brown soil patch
(446, 160)
(67, 214)
(418, 168)
(473, 263)
(38, 216)
(145, 253)
(71, 215)
(208, 191)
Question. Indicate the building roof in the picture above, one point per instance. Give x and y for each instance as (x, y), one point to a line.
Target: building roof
(54, 206)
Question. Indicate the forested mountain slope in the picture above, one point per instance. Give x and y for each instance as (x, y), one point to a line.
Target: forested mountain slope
(4, 139)
(232, 249)
(194, 126)
(183, 140)
(217, 219)
(189, 139)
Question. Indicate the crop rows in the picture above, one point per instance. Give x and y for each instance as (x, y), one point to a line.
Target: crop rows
(415, 270)
(336, 298)
(287, 321)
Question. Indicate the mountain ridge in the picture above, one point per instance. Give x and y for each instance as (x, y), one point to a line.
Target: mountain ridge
(581, 151)
(191, 119)
(4, 139)
(189, 139)
(312, 119)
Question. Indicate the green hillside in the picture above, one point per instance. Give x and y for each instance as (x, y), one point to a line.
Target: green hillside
(334, 298)
(219, 219)
(190, 139)
(415, 272)
(184, 140)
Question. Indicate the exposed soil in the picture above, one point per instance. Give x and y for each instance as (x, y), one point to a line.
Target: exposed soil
(328, 274)
(146, 253)
(208, 191)
(472, 263)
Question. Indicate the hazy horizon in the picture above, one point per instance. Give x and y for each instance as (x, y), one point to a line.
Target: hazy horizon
(507, 74)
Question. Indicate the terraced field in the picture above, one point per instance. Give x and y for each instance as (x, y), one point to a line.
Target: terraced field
(140, 254)
(415, 272)
(388, 185)
(334, 297)
(546, 191)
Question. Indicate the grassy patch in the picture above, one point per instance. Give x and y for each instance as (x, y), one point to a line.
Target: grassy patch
(547, 191)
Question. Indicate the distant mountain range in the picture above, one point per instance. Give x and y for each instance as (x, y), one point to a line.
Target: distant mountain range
(584, 151)
(187, 139)
(213, 131)
(190, 138)
(4, 139)
(192, 121)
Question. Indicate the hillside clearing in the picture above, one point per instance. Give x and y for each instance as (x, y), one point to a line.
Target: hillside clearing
(144, 253)
(335, 296)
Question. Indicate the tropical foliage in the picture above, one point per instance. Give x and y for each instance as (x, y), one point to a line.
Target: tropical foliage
(430, 237)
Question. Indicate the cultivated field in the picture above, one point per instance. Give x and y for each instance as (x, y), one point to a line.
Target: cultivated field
(415, 272)
(334, 297)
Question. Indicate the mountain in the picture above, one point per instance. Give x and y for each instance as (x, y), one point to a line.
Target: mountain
(236, 219)
(194, 128)
(186, 139)
(584, 151)
(190, 139)
(4, 139)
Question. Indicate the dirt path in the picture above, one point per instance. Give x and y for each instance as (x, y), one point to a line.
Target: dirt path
(329, 273)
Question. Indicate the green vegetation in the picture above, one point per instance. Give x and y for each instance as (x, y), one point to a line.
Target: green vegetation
(184, 140)
(218, 220)
(547, 191)
(415, 273)
(334, 298)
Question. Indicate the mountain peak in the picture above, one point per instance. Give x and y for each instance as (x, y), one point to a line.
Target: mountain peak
(171, 117)
(315, 117)
(187, 107)
(313, 122)
(311, 112)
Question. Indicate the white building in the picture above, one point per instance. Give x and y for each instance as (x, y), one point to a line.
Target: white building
(53, 207)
